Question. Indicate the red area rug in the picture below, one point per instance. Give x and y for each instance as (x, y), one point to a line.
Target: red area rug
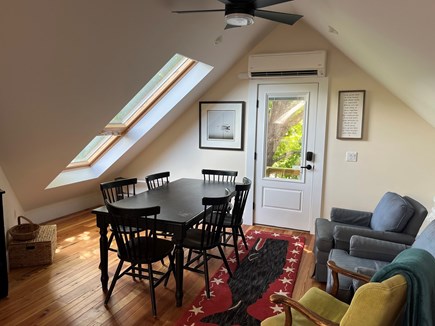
(270, 266)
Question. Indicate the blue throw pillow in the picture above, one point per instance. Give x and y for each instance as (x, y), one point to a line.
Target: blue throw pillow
(391, 214)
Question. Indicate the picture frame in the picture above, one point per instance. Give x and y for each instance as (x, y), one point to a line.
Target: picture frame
(350, 116)
(221, 125)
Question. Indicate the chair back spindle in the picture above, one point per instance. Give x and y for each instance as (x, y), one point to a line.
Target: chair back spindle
(157, 180)
(115, 190)
(219, 175)
(215, 210)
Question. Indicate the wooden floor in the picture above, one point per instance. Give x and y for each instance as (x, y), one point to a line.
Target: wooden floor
(68, 292)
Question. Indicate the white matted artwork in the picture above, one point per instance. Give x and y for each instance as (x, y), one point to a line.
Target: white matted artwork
(221, 125)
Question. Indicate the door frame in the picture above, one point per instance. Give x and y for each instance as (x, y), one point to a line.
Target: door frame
(320, 140)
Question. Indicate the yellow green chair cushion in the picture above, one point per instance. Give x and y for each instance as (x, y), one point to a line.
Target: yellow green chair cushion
(377, 304)
(318, 301)
(374, 304)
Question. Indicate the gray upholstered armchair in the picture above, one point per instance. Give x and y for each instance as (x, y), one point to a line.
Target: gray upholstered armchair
(367, 256)
(395, 218)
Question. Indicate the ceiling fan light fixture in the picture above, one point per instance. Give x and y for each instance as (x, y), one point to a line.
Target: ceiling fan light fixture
(239, 19)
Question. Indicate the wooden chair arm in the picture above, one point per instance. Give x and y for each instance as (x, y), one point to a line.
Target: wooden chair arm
(289, 303)
(338, 270)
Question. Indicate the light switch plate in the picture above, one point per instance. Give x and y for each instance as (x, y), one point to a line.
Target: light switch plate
(351, 156)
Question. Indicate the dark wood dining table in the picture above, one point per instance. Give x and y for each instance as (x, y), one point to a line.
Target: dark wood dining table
(181, 207)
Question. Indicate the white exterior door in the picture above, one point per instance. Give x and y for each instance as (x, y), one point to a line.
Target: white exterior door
(289, 157)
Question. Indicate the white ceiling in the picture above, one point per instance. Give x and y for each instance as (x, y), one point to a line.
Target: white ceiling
(69, 66)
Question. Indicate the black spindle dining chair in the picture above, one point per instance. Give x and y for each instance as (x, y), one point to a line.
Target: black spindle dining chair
(138, 244)
(234, 219)
(154, 181)
(206, 236)
(115, 190)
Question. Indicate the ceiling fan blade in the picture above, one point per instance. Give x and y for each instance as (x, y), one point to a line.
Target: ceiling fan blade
(266, 3)
(279, 17)
(228, 26)
(195, 11)
(227, 2)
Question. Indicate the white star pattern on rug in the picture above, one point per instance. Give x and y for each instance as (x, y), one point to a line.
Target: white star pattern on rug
(277, 309)
(223, 270)
(217, 281)
(281, 292)
(232, 260)
(295, 237)
(196, 310)
(295, 251)
(289, 269)
(292, 260)
(276, 234)
(286, 280)
(299, 244)
(204, 294)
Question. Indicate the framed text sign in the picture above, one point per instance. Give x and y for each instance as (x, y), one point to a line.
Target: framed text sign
(350, 114)
(221, 125)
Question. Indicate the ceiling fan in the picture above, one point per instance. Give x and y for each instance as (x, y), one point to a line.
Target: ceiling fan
(240, 13)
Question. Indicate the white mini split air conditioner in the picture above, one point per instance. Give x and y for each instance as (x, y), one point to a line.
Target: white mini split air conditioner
(296, 64)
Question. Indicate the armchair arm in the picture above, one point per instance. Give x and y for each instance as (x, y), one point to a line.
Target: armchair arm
(375, 249)
(343, 233)
(289, 303)
(350, 216)
(335, 270)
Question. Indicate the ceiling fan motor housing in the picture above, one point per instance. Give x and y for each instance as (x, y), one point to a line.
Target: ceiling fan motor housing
(247, 8)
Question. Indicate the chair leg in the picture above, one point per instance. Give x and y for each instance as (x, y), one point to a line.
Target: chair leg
(225, 260)
(109, 242)
(171, 268)
(115, 278)
(243, 237)
(152, 293)
(236, 249)
(207, 284)
(189, 255)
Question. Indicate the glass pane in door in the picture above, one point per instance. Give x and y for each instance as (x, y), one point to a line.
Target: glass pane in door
(285, 137)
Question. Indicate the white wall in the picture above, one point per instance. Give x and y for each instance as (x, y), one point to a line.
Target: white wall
(11, 207)
(177, 149)
(395, 154)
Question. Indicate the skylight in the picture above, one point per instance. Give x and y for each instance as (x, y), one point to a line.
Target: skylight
(146, 109)
(171, 72)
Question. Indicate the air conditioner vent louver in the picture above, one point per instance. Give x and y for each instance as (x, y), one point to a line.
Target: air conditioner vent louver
(291, 73)
(297, 64)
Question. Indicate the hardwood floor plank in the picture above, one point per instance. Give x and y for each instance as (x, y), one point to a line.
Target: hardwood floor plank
(68, 292)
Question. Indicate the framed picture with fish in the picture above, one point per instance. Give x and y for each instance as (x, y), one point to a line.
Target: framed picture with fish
(221, 125)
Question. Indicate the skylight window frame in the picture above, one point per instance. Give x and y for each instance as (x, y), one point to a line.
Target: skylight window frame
(118, 130)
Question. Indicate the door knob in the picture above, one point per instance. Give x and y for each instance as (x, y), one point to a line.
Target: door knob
(308, 167)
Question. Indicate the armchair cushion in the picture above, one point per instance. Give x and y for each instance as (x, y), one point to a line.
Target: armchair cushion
(376, 249)
(374, 300)
(318, 301)
(425, 240)
(392, 213)
(351, 216)
(343, 233)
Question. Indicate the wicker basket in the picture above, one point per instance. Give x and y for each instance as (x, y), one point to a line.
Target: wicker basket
(24, 232)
